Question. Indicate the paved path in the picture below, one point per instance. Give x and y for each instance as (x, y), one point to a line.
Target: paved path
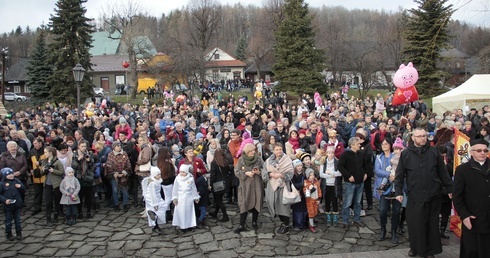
(119, 234)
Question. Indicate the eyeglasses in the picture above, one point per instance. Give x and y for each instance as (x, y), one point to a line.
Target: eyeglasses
(420, 136)
(481, 150)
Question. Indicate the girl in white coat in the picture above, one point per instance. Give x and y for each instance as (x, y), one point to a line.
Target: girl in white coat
(184, 195)
(155, 205)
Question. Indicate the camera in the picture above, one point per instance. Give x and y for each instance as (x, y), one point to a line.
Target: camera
(86, 155)
(46, 169)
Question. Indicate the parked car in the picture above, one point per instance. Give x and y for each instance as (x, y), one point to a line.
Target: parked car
(98, 91)
(179, 87)
(10, 96)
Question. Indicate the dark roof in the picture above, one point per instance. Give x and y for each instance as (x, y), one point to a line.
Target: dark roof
(263, 68)
(105, 63)
(18, 71)
(453, 53)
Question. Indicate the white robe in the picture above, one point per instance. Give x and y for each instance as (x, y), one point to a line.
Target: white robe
(167, 190)
(153, 199)
(185, 192)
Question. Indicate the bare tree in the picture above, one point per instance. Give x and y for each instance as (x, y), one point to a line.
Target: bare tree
(126, 19)
(201, 23)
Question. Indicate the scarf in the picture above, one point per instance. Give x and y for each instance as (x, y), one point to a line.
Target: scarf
(152, 179)
(250, 161)
(117, 153)
(294, 142)
(212, 151)
(282, 165)
(70, 181)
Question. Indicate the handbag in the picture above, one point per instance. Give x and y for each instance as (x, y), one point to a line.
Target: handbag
(219, 186)
(290, 197)
(145, 167)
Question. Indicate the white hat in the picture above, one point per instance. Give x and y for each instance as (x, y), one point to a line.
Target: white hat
(186, 168)
(154, 171)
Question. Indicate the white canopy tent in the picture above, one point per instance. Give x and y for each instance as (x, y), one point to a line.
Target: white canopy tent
(474, 93)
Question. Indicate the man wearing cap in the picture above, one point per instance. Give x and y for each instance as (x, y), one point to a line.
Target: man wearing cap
(473, 117)
(423, 170)
(471, 199)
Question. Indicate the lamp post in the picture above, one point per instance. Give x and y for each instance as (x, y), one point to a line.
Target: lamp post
(4, 52)
(125, 65)
(78, 73)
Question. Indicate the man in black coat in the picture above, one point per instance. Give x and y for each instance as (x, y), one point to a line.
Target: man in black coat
(423, 169)
(471, 198)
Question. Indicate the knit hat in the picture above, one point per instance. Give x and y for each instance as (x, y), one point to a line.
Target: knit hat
(245, 135)
(185, 168)
(122, 120)
(323, 145)
(399, 143)
(154, 171)
(6, 171)
(304, 155)
(116, 143)
(68, 170)
(308, 172)
(199, 136)
(296, 163)
(302, 131)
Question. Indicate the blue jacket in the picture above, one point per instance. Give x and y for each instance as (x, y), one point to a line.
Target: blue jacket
(9, 191)
(380, 164)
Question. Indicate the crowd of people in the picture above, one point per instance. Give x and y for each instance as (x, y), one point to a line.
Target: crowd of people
(171, 158)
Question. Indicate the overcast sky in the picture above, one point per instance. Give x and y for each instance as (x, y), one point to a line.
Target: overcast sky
(33, 13)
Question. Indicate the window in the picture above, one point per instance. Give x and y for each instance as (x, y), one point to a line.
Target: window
(215, 75)
(16, 89)
(27, 89)
(216, 56)
(225, 70)
(120, 79)
(237, 75)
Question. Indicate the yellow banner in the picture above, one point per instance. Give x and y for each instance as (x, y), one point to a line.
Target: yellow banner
(461, 155)
(461, 148)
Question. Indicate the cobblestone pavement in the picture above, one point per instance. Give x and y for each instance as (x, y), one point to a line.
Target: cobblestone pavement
(126, 234)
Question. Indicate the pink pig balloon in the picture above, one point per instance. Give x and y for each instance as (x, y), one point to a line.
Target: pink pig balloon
(406, 76)
(405, 79)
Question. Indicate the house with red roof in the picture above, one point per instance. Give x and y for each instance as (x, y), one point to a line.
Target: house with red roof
(222, 66)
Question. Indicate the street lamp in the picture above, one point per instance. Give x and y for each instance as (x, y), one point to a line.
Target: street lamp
(78, 73)
(125, 65)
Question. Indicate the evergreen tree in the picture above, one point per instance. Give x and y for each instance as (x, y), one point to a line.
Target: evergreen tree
(425, 36)
(298, 63)
(38, 69)
(241, 49)
(71, 44)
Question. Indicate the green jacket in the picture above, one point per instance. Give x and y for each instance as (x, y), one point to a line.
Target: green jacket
(58, 171)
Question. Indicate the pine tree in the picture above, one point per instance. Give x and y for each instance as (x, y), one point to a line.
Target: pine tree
(298, 63)
(241, 49)
(71, 44)
(425, 36)
(38, 69)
